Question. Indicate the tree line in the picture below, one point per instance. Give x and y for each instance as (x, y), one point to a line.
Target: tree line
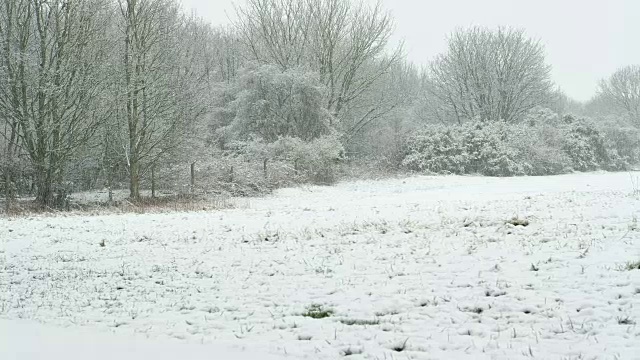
(105, 94)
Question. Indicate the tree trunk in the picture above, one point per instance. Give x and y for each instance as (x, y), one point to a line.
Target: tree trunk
(131, 79)
(9, 168)
(193, 177)
(109, 174)
(153, 181)
(264, 167)
(44, 191)
(110, 188)
(8, 193)
(134, 180)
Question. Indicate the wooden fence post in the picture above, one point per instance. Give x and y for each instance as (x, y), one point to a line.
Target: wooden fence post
(153, 181)
(193, 177)
(264, 167)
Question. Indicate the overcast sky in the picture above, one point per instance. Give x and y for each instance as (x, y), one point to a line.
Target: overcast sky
(585, 40)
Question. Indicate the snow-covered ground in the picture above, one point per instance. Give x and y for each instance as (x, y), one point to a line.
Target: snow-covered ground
(421, 268)
(28, 340)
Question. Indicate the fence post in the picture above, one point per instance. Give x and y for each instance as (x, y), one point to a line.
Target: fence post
(153, 181)
(193, 177)
(264, 167)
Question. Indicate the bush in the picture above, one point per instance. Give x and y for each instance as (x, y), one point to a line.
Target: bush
(584, 144)
(269, 103)
(543, 145)
(477, 147)
(539, 150)
(436, 149)
(254, 167)
(488, 151)
(314, 161)
(621, 139)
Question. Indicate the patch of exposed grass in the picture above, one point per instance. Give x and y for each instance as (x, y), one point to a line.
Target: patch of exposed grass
(631, 265)
(317, 311)
(361, 322)
(387, 312)
(515, 221)
(351, 351)
(476, 310)
(625, 321)
(494, 293)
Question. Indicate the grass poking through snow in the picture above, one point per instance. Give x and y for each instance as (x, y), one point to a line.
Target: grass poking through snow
(317, 311)
(632, 265)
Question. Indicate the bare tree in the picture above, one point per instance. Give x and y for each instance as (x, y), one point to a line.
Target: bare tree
(9, 14)
(622, 90)
(492, 74)
(388, 99)
(164, 80)
(52, 56)
(345, 44)
(225, 51)
(275, 31)
(399, 92)
(350, 44)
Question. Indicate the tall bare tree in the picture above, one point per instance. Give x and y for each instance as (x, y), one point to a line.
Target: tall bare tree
(346, 43)
(164, 81)
(226, 52)
(622, 89)
(9, 92)
(492, 74)
(53, 56)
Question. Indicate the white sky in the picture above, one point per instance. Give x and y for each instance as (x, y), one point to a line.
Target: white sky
(585, 40)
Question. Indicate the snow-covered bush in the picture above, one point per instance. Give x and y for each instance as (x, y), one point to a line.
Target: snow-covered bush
(585, 145)
(268, 103)
(539, 149)
(475, 147)
(544, 144)
(314, 161)
(621, 138)
(274, 124)
(255, 167)
(230, 174)
(488, 150)
(436, 149)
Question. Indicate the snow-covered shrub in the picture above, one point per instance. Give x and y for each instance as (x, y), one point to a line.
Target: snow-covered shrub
(541, 116)
(255, 167)
(584, 144)
(621, 139)
(544, 144)
(539, 150)
(487, 149)
(234, 174)
(436, 149)
(314, 161)
(587, 144)
(276, 124)
(474, 147)
(268, 103)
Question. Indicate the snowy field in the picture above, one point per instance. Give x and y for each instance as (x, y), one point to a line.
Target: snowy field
(421, 268)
